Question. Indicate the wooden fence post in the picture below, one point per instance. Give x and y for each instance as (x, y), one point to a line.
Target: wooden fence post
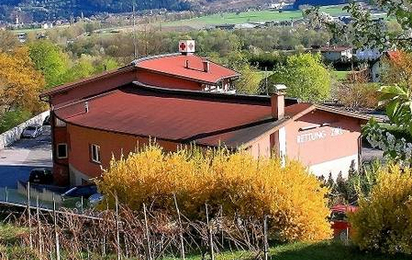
(149, 249)
(81, 204)
(117, 227)
(29, 215)
(212, 253)
(182, 242)
(39, 226)
(56, 233)
(265, 237)
(221, 223)
(104, 240)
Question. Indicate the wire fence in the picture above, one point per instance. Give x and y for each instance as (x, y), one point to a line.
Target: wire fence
(148, 234)
(43, 196)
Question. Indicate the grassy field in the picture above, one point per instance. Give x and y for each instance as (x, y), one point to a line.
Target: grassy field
(341, 75)
(310, 251)
(251, 16)
(38, 30)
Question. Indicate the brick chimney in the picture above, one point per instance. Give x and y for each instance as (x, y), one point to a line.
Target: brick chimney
(86, 107)
(277, 101)
(206, 66)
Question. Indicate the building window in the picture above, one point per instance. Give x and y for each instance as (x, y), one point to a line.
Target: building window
(60, 123)
(95, 153)
(61, 151)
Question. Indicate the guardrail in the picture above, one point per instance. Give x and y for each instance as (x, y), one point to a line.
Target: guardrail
(9, 137)
(41, 196)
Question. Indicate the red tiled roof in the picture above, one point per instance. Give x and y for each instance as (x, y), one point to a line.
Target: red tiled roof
(175, 65)
(205, 118)
(393, 55)
(170, 64)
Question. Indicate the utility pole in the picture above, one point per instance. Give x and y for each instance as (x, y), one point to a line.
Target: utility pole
(136, 52)
(266, 81)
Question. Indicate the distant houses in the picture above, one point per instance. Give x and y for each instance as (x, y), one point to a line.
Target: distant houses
(337, 53)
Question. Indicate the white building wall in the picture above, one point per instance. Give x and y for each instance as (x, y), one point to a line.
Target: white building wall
(77, 177)
(335, 166)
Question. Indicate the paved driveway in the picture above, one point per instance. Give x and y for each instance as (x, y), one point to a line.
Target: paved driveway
(17, 160)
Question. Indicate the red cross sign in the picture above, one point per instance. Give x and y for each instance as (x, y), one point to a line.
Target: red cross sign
(182, 46)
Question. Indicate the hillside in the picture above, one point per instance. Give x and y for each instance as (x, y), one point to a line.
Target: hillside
(47, 10)
(30, 10)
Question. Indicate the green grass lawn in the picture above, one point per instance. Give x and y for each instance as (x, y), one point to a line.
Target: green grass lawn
(250, 16)
(9, 234)
(262, 74)
(309, 251)
(340, 75)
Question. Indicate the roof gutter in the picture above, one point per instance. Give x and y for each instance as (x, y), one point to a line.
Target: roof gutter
(286, 120)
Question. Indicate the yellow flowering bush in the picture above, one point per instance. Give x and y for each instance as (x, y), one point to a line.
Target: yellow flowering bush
(242, 186)
(384, 221)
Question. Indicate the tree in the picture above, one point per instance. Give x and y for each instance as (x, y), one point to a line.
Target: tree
(82, 68)
(397, 69)
(358, 93)
(395, 139)
(50, 60)
(12, 118)
(107, 64)
(366, 32)
(249, 81)
(20, 83)
(305, 76)
(8, 41)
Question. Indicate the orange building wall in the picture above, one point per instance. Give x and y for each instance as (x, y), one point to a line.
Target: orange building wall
(110, 144)
(95, 87)
(155, 79)
(261, 147)
(330, 147)
(309, 152)
(60, 166)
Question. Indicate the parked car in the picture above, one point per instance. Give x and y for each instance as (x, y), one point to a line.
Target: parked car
(95, 199)
(32, 131)
(342, 229)
(46, 120)
(41, 176)
(84, 191)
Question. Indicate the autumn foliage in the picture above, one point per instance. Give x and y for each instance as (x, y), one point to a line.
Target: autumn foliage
(20, 83)
(384, 221)
(236, 182)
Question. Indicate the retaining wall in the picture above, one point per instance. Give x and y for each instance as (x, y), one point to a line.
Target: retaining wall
(9, 137)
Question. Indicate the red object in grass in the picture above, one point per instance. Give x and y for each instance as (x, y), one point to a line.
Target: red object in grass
(340, 224)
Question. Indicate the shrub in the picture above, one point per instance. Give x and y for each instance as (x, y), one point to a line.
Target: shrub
(306, 77)
(358, 184)
(384, 221)
(13, 118)
(242, 186)
(358, 95)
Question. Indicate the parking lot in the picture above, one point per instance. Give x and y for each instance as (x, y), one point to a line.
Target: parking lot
(17, 160)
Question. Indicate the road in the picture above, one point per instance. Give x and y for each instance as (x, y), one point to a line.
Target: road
(371, 154)
(17, 160)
